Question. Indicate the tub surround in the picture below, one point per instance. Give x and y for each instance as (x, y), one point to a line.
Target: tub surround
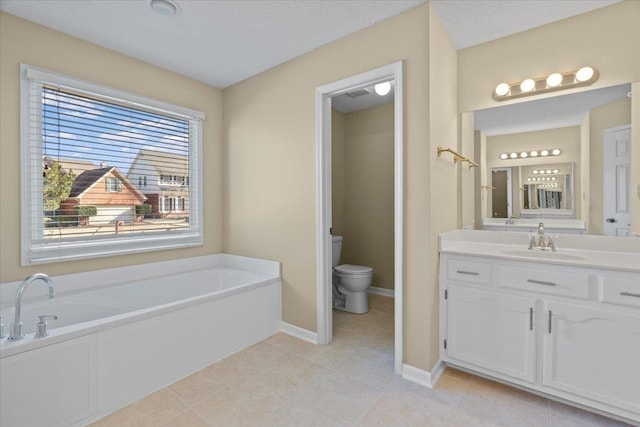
(559, 226)
(120, 334)
(563, 324)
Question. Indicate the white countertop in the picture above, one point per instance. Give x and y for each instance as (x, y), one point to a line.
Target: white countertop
(614, 253)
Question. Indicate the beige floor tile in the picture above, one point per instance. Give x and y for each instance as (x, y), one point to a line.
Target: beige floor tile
(205, 382)
(151, 411)
(291, 373)
(340, 398)
(495, 389)
(501, 410)
(566, 415)
(374, 371)
(407, 409)
(297, 415)
(246, 403)
(256, 358)
(378, 319)
(448, 391)
(456, 373)
(326, 355)
(186, 419)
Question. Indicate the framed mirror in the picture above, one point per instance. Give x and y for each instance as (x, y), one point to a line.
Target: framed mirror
(575, 124)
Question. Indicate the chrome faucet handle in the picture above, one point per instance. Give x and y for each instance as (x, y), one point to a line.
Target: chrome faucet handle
(551, 245)
(41, 326)
(16, 332)
(2, 334)
(532, 242)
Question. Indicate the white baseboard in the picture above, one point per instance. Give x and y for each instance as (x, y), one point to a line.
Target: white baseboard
(422, 377)
(382, 291)
(298, 332)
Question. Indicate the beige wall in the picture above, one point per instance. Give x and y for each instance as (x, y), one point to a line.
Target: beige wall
(606, 39)
(468, 177)
(25, 42)
(368, 202)
(582, 192)
(601, 118)
(270, 173)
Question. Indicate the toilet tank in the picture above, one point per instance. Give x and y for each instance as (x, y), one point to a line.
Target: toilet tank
(336, 249)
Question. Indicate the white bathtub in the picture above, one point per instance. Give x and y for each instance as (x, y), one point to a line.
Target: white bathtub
(124, 333)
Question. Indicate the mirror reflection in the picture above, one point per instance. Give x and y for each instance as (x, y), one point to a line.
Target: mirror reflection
(588, 129)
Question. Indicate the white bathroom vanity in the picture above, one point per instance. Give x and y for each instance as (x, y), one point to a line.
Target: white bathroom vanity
(530, 225)
(563, 324)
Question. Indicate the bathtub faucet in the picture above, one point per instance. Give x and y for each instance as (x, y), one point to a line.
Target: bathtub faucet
(16, 326)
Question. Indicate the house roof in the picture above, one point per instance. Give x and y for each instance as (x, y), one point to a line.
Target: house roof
(88, 178)
(69, 164)
(166, 163)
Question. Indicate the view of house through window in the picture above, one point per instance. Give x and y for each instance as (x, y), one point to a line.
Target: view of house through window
(111, 169)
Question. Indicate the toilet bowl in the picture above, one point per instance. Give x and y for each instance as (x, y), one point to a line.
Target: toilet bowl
(350, 283)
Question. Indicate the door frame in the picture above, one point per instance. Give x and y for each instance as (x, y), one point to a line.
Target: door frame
(323, 197)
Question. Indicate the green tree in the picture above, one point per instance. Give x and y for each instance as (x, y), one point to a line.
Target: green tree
(56, 185)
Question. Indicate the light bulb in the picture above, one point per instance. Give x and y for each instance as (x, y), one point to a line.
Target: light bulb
(548, 170)
(556, 151)
(556, 171)
(504, 156)
(554, 80)
(584, 74)
(535, 172)
(527, 85)
(382, 88)
(502, 89)
(513, 155)
(524, 154)
(534, 153)
(544, 153)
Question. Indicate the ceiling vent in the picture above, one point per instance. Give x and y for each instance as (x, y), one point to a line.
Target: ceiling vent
(359, 92)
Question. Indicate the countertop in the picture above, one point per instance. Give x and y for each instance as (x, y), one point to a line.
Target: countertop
(613, 253)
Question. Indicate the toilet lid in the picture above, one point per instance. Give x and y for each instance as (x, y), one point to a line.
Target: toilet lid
(353, 269)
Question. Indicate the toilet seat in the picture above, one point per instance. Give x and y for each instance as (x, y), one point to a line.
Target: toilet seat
(353, 270)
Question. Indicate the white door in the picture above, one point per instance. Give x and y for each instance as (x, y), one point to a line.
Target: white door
(491, 331)
(594, 353)
(112, 214)
(617, 181)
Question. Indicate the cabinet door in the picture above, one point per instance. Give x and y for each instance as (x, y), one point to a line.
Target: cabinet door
(593, 353)
(491, 331)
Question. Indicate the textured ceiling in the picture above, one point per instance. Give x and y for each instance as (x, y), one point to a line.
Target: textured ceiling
(224, 42)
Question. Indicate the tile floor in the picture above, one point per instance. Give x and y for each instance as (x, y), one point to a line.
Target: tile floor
(283, 381)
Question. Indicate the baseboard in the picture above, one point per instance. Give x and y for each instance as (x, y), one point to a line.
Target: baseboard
(298, 332)
(422, 377)
(382, 291)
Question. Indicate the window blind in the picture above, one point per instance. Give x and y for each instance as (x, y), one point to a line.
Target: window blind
(107, 174)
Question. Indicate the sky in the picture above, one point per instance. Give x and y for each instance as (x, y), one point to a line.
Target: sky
(83, 129)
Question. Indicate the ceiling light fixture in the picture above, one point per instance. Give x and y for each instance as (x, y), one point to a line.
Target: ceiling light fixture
(555, 81)
(165, 7)
(533, 153)
(383, 88)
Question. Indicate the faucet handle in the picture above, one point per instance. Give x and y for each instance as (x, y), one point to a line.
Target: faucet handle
(41, 326)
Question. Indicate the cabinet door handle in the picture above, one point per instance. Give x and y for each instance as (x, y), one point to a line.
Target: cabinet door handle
(541, 282)
(470, 273)
(550, 314)
(531, 319)
(629, 294)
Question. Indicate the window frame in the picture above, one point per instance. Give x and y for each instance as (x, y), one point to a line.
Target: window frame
(34, 249)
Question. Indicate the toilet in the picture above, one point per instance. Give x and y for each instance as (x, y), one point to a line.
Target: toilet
(350, 282)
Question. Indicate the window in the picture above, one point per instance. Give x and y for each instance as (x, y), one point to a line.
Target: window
(76, 134)
(113, 185)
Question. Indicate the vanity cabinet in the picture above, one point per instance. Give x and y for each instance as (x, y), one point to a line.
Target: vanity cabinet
(555, 329)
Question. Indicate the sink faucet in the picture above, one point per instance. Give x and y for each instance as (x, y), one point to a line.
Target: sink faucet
(542, 243)
(16, 326)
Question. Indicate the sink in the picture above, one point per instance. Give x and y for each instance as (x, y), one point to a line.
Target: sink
(544, 255)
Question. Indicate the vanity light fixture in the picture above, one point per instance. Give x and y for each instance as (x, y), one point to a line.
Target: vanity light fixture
(554, 81)
(532, 153)
(382, 88)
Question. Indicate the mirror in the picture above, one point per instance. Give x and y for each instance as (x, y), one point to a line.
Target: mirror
(577, 124)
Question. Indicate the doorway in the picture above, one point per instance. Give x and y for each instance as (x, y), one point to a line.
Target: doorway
(324, 94)
(501, 195)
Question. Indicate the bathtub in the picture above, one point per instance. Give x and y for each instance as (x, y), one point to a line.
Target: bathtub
(124, 333)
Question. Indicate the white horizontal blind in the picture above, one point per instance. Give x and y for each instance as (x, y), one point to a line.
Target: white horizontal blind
(106, 176)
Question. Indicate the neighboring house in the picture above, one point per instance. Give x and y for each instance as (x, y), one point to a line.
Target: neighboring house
(75, 166)
(109, 190)
(164, 180)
